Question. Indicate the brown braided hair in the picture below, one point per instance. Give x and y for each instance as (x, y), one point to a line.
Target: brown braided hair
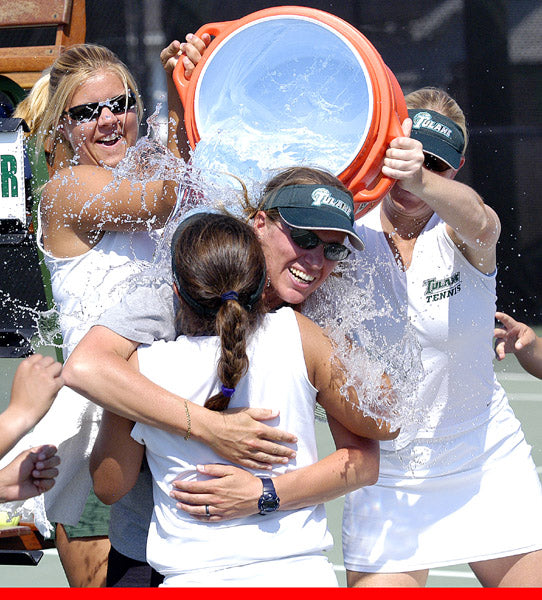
(212, 255)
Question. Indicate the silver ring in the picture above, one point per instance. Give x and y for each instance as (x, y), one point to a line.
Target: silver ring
(207, 511)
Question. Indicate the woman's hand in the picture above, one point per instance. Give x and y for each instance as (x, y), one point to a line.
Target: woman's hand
(31, 473)
(240, 437)
(404, 158)
(513, 337)
(521, 340)
(36, 383)
(191, 52)
(232, 493)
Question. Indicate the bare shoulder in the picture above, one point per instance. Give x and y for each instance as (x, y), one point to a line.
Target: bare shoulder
(311, 333)
(317, 347)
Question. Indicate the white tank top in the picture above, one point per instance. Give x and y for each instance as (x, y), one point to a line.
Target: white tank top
(277, 378)
(451, 306)
(84, 286)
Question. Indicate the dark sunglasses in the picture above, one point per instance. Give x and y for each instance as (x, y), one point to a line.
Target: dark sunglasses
(432, 163)
(92, 110)
(307, 239)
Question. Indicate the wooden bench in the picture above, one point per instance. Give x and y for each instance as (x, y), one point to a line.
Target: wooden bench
(25, 64)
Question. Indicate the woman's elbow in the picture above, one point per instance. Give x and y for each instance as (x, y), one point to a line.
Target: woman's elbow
(488, 231)
(105, 494)
(108, 480)
(107, 488)
(76, 372)
(385, 432)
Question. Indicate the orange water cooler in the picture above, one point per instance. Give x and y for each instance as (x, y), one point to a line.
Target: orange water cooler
(307, 72)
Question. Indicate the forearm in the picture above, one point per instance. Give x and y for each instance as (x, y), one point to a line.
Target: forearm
(530, 358)
(108, 380)
(116, 459)
(13, 426)
(177, 140)
(233, 493)
(6, 483)
(345, 470)
(354, 464)
(460, 207)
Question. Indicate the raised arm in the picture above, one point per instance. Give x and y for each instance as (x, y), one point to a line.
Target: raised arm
(89, 198)
(474, 226)
(190, 53)
(519, 339)
(99, 370)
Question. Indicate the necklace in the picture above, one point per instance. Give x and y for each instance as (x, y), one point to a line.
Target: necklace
(403, 260)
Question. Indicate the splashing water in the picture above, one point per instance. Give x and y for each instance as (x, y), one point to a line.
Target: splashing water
(341, 306)
(347, 311)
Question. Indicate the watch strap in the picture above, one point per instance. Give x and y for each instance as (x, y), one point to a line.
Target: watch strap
(269, 501)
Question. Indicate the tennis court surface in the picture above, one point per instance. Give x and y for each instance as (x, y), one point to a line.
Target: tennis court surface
(524, 391)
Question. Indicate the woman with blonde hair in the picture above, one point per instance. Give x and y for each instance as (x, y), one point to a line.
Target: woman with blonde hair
(94, 229)
(461, 487)
(32, 107)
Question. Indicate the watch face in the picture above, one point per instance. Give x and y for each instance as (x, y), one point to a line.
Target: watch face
(268, 503)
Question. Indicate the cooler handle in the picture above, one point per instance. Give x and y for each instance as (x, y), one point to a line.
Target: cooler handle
(384, 183)
(181, 83)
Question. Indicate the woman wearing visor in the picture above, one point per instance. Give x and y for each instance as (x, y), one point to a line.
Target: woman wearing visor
(252, 357)
(301, 222)
(462, 487)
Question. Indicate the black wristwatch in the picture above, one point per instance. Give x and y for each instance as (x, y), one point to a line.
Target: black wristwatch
(269, 501)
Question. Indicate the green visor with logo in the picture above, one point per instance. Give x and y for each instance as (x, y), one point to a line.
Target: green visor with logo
(316, 207)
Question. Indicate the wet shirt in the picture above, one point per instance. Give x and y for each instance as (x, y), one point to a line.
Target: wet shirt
(451, 307)
(85, 286)
(187, 367)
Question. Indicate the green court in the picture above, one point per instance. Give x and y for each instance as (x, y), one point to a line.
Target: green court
(524, 391)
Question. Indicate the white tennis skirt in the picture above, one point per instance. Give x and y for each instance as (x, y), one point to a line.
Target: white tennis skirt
(459, 499)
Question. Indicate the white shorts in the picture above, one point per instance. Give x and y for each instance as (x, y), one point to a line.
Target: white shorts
(313, 570)
(460, 499)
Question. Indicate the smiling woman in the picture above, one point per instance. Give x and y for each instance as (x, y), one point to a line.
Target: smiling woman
(302, 221)
(92, 127)
(94, 230)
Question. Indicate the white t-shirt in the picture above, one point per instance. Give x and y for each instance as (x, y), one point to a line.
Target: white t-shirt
(277, 378)
(451, 307)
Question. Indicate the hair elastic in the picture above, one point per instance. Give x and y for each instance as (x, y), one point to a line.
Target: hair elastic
(229, 296)
(192, 302)
(226, 391)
